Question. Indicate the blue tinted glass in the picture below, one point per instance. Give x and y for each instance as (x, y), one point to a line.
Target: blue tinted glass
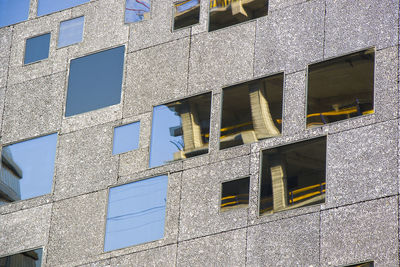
(137, 10)
(95, 81)
(31, 258)
(37, 48)
(136, 213)
(126, 138)
(49, 6)
(13, 11)
(27, 168)
(71, 32)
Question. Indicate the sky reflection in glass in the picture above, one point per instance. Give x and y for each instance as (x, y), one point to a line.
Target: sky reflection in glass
(126, 138)
(49, 6)
(71, 32)
(28, 168)
(37, 48)
(186, 13)
(95, 81)
(137, 10)
(136, 213)
(13, 11)
(25, 259)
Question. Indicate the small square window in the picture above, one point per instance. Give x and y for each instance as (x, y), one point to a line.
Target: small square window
(230, 12)
(180, 130)
(365, 264)
(251, 111)
(235, 194)
(136, 213)
(50, 6)
(27, 258)
(37, 48)
(27, 169)
(126, 138)
(293, 176)
(12, 11)
(136, 10)
(341, 88)
(95, 81)
(186, 13)
(71, 32)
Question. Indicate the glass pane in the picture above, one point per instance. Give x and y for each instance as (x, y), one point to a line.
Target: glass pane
(37, 48)
(235, 194)
(27, 168)
(31, 258)
(224, 13)
(49, 6)
(366, 264)
(71, 32)
(13, 11)
(126, 138)
(137, 10)
(95, 81)
(136, 213)
(186, 13)
(293, 176)
(251, 111)
(180, 130)
(341, 88)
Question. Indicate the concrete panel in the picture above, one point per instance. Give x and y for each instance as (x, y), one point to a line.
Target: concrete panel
(225, 249)
(362, 164)
(352, 25)
(279, 4)
(203, 21)
(290, 38)
(103, 263)
(5, 46)
(162, 256)
(360, 232)
(288, 242)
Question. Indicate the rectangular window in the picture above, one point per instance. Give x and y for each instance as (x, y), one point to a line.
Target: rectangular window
(31, 258)
(50, 6)
(126, 138)
(95, 81)
(71, 32)
(293, 176)
(37, 48)
(180, 130)
(251, 111)
(235, 194)
(186, 13)
(137, 10)
(341, 88)
(13, 11)
(136, 213)
(27, 168)
(224, 13)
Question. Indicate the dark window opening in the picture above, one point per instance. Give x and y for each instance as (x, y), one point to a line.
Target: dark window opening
(235, 194)
(186, 13)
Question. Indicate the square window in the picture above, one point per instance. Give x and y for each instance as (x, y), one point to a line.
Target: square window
(37, 48)
(50, 6)
(293, 176)
(136, 10)
(180, 130)
(235, 194)
(186, 13)
(27, 258)
(126, 138)
(341, 88)
(230, 12)
(136, 213)
(251, 111)
(12, 11)
(95, 81)
(71, 32)
(27, 169)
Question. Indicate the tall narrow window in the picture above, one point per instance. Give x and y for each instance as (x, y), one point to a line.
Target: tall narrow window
(32, 258)
(186, 13)
(13, 11)
(71, 32)
(137, 10)
(37, 48)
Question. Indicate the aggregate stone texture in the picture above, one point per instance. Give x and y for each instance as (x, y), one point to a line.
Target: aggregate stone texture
(200, 200)
(24, 230)
(5, 46)
(215, 122)
(352, 25)
(33, 108)
(224, 249)
(85, 162)
(288, 242)
(77, 229)
(279, 4)
(221, 58)
(156, 76)
(290, 38)
(362, 164)
(161, 256)
(361, 232)
(103, 263)
(202, 26)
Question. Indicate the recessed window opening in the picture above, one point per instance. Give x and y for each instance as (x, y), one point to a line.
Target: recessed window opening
(186, 13)
(126, 138)
(235, 194)
(37, 48)
(293, 176)
(71, 32)
(24, 259)
(13, 11)
(341, 88)
(137, 10)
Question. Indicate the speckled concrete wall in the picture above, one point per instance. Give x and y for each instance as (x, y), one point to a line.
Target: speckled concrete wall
(359, 220)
